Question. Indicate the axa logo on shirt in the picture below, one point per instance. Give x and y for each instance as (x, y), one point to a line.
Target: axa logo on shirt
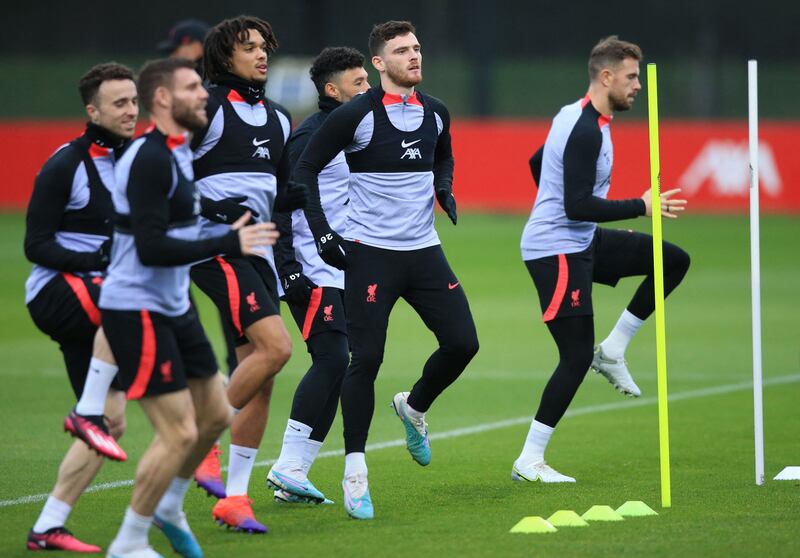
(411, 152)
(261, 152)
(725, 165)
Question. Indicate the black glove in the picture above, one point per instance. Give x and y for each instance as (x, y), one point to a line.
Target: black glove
(448, 202)
(227, 210)
(297, 288)
(292, 197)
(104, 255)
(330, 247)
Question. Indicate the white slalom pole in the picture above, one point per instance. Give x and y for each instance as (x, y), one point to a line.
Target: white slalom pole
(755, 268)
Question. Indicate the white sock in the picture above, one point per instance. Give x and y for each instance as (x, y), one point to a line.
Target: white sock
(240, 466)
(98, 380)
(294, 441)
(171, 504)
(310, 451)
(617, 341)
(54, 514)
(132, 534)
(355, 463)
(536, 442)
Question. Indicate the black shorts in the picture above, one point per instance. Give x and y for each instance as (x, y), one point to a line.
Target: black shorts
(66, 310)
(157, 353)
(244, 289)
(324, 312)
(564, 281)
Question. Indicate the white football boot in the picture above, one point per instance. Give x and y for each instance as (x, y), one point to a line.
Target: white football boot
(541, 472)
(616, 372)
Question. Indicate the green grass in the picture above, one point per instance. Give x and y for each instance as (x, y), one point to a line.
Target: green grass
(464, 503)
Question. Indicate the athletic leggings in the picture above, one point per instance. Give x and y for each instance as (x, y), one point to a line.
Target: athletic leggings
(375, 279)
(317, 396)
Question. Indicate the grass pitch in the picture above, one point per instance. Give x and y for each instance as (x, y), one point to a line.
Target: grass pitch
(464, 503)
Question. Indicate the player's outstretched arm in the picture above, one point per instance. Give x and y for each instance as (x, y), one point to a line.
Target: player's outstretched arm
(149, 182)
(580, 173)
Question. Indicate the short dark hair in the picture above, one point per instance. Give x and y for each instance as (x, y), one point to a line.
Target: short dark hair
(330, 62)
(218, 47)
(610, 52)
(158, 73)
(90, 82)
(383, 32)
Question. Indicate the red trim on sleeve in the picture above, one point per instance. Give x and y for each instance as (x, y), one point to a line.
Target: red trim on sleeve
(313, 306)
(233, 292)
(561, 289)
(84, 298)
(147, 360)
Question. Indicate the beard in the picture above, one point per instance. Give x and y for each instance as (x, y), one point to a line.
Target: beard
(401, 78)
(185, 116)
(619, 103)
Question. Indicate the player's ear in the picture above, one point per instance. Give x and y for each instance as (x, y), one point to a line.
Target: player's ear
(332, 91)
(92, 113)
(605, 76)
(377, 63)
(161, 97)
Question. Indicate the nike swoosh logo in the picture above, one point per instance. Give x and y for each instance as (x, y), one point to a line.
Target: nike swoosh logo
(256, 143)
(452, 286)
(293, 428)
(243, 456)
(409, 144)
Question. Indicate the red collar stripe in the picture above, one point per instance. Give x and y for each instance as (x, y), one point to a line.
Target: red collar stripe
(174, 142)
(392, 99)
(95, 151)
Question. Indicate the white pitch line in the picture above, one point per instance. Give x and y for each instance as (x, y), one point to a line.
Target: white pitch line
(477, 429)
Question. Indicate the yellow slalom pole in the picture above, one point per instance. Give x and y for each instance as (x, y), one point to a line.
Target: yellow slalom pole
(658, 272)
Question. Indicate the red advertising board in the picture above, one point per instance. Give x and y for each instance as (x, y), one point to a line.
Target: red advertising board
(708, 159)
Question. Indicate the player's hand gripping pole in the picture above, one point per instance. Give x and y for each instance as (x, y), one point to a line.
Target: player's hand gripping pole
(658, 273)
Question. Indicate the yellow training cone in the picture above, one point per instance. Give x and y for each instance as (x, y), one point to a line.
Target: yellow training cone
(602, 513)
(533, 524)
(567, 518)
(635, 508)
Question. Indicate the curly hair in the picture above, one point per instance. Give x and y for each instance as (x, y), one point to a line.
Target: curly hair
(330, 62)
(610, 52)
(220, 41)
(384, 32)
(90, 82)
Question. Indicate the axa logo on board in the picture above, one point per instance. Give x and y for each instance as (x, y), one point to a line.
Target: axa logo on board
(725, 166)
